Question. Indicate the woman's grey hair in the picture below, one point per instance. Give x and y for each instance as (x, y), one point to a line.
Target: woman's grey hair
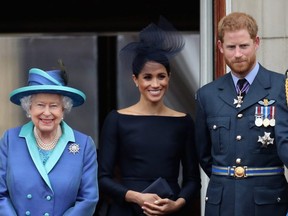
(27, 100)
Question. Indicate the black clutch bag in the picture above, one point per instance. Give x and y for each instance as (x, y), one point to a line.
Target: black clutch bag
(160, 187)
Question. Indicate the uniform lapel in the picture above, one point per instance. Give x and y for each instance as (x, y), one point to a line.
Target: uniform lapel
(227, 91)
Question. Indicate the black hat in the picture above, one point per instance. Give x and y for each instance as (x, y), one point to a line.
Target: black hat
(156, 43)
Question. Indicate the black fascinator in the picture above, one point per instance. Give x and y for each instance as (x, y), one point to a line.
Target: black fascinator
(63, 71)
(156, 43)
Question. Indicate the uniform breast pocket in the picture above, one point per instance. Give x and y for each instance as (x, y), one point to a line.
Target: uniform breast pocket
(219, 131)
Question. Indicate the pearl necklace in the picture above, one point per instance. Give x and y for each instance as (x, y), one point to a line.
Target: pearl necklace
(47, 146)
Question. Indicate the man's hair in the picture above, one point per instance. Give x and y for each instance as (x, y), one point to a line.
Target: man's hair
(237, 21)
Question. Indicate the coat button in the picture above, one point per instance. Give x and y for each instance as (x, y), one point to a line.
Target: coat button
(206, 198)
(214, 127)
(238, 137)
(238, 160)
(278, 199)
(27, 213)
(48, 198)
(240, 115)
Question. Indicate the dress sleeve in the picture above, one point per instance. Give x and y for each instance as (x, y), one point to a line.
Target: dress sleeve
(108, 148)
(191, 183)
(6, 207)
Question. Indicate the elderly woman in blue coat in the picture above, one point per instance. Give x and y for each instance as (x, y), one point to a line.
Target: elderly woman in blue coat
(46, 167)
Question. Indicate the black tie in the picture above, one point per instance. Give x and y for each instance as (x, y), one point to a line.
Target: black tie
(243, 86)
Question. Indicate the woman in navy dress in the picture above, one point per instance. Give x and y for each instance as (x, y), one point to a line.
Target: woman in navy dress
(149, 140)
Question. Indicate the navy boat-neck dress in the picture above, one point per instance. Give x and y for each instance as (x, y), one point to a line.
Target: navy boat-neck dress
(142, 148)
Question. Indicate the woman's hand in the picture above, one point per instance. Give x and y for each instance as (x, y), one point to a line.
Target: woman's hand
(141, 198)
(162, 206)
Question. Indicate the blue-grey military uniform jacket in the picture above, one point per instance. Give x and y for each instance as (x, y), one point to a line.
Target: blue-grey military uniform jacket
(234, 148)
(65, 186)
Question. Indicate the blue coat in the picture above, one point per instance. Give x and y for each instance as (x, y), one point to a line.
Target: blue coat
(228, 136)
(66, 185)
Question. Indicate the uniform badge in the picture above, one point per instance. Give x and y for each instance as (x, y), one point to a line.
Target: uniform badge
(266, 102)
(266, 140)
(74, 148)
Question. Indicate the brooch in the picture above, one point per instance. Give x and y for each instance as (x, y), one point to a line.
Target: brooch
(74, 148)
(265, 140)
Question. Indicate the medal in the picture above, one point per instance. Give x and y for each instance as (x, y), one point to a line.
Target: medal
(258, 121)
(238, 101)
(258, 116)
(266, 122)
(272, 120)
(265, 140)
(265, 114)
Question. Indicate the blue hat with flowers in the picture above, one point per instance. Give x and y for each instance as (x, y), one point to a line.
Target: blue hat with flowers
(52, 82)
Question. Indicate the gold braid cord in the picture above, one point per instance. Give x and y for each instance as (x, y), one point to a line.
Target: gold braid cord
(286, 87)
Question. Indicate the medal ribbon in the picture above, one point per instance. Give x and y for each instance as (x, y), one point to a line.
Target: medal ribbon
(266, 112)
(272, 112)
(258, 111)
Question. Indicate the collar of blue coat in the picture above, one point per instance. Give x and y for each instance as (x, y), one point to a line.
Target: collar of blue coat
(67, 136)
(67, 132)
